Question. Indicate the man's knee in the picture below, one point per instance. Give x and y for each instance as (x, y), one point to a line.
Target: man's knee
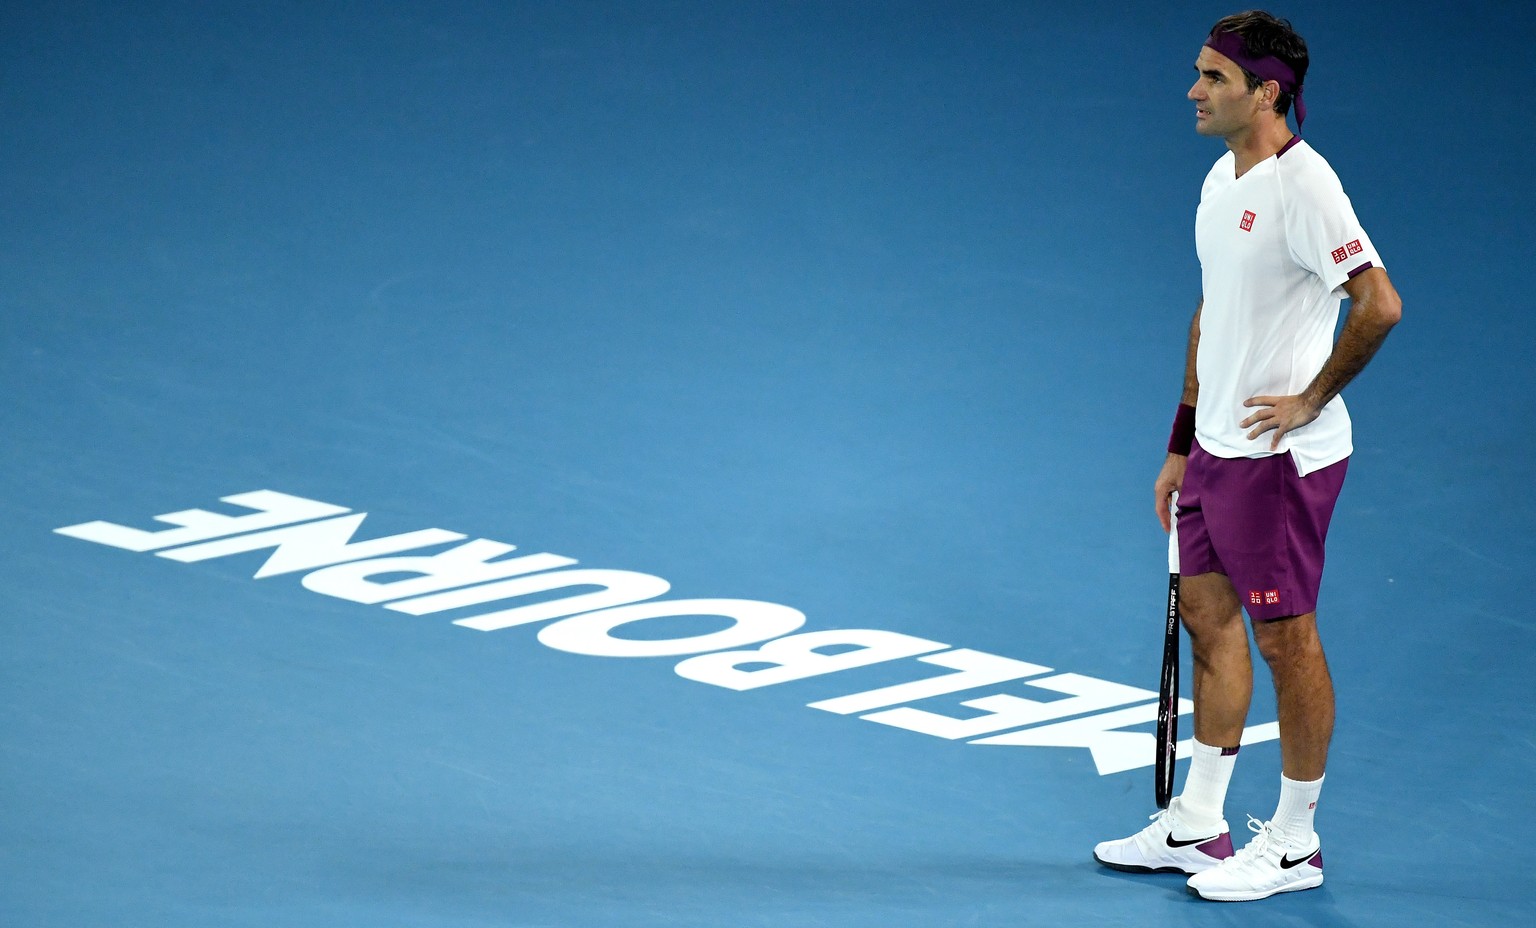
(1208, 604)
(1288, 640)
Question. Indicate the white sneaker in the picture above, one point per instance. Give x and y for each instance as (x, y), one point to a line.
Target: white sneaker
(1167, 846)
(1269, 864)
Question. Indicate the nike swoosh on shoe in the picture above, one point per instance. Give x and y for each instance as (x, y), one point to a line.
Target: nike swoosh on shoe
(1173, 843)
(1286, 863)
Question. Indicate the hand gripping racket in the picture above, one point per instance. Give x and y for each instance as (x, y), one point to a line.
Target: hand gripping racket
(1168, 689)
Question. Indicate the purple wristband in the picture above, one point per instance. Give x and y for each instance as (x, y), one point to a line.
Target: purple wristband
(1183, 435)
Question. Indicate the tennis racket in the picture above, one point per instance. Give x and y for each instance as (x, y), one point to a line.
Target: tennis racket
(1168, 689)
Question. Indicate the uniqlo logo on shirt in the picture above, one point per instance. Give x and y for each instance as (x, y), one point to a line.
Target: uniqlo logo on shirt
(1247, 224)
(1344, 251)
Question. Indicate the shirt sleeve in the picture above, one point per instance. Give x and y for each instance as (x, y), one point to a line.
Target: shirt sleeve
(1324, 235)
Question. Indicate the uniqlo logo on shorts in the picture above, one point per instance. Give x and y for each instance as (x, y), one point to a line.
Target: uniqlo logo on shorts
(1247, 224)
(1255, 598)
(1263, 597)
(1271, 597)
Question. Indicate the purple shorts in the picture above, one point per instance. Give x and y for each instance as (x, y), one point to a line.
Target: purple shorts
(1261, 524)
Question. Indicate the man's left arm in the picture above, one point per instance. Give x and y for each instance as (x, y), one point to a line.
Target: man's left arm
(1374, 309)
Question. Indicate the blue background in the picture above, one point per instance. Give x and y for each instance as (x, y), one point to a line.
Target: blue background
(874, 310)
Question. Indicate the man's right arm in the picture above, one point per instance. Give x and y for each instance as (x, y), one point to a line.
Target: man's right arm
(1171, 477)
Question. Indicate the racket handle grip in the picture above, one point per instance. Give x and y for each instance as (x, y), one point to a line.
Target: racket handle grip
(1173, 533)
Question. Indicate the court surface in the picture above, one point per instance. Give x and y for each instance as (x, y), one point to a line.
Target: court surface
(871, 313)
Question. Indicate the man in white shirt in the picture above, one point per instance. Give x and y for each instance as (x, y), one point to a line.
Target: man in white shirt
(1258, 454)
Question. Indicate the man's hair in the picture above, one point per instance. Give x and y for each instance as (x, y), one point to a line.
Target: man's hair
(1264, 34)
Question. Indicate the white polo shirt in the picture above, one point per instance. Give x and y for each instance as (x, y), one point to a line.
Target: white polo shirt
(1276, 246)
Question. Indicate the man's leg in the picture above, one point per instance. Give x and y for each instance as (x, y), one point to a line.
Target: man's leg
(1303, 692)
(1191, 835)
(1218, 638)
(1285, 854)
(1223, 688)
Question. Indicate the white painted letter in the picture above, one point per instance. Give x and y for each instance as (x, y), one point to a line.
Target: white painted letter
(468, 563)
(199, 525)
(1006, 711)
(619, 587)
(751, 622)
(977, 668)
(796, 657)
(310, 545)
(1113, 751)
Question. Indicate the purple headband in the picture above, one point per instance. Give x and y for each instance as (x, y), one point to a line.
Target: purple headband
(1268, 68)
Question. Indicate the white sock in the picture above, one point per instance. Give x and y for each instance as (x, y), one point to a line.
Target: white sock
(1205, 788)
(1298, 803)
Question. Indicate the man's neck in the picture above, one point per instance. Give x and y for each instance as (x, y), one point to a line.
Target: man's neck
(1262, 140)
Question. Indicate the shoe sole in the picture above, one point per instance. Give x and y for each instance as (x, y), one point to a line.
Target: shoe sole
(1139, 868)
(1298, 886)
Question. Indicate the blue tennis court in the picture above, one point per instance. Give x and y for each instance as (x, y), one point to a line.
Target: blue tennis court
(826, 349)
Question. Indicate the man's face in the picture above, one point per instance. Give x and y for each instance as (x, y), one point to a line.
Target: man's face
(1224, 105)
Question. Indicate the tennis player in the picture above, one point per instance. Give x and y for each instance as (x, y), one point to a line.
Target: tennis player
(1258, 453)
